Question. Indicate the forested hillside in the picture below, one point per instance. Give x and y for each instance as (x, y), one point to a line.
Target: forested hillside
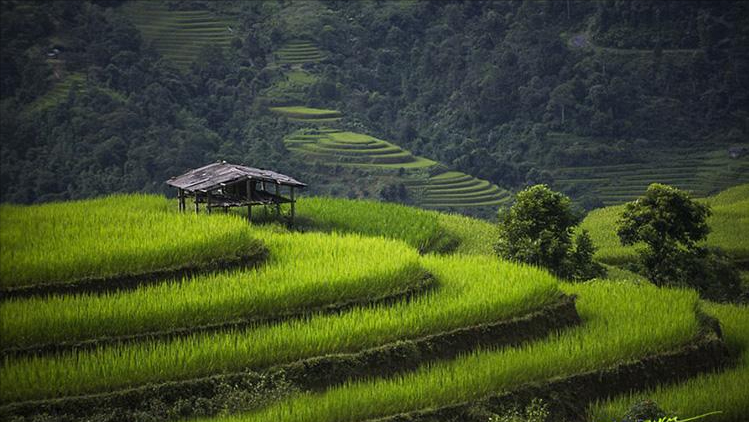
(597, 99)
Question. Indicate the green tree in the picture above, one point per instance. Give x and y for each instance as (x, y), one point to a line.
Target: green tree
(538, 230)
(670, 223)
(672, 226)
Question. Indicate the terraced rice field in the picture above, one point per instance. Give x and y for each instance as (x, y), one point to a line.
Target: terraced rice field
(110, 236)
(58, 93)
(308, 115)
(723, 392)
(371, 360)
(729, 224)
(296, 52)
(702, 171)
(179, 35)
(456, 189)
(444, 190)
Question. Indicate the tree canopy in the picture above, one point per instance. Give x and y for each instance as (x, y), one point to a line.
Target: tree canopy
(538, 229)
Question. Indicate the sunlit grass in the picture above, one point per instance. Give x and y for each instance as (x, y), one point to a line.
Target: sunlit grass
(723, 391)
(622, 323)
(305, 271)
(729, 224)
(420, 229)
(112, 236)
(472, 290)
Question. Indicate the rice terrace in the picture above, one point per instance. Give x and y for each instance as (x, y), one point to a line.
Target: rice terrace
(374, 211)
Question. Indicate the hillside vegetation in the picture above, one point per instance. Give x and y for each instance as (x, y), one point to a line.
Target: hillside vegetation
(728, 223)
(347, 320)
(597, 99)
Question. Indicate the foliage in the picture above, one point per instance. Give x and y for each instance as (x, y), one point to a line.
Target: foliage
(112, 236)
(536, 411)
(698, 394)
(473, 290)
(671, 224)
(152, 104)
(538, 229)
(304, 272)
(728, 224)
(668, 221)
(623, 322)
(646, 410)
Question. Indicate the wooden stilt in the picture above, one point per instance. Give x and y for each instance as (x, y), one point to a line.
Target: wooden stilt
(208, 201)
(249, 199)
(293, 201)
(278, 204)
(181, 199)
(197, 206)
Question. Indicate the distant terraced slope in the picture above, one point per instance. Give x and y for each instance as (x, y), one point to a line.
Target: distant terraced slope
(702, 170)
(454, 188)
(58, 93)
(308, 115)
(297, 52)
(449, 189)
(179, 35)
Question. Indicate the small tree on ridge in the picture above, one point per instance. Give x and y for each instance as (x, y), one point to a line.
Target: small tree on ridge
(538, 229)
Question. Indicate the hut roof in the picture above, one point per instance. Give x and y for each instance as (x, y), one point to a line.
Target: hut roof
(216, 175)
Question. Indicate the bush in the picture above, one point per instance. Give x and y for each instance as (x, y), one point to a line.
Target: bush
(537, 230)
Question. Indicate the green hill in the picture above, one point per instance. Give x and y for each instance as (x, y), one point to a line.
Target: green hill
(179, 35)
(441, 190)
(343, 319)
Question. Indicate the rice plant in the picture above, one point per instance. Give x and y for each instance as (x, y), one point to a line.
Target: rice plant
(725, 391)
(305, 271)
(472, 290)
(622, 323)
(112, 236)
(419, 228)
(729, 224)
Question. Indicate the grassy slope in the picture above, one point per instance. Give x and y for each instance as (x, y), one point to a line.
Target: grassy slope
(466, 296)
(305, 271)
(701, 169)
(111, 236)
(729, 225)
(179, 35)
(625, 328)
(725, 391)
(472, 290)
(446, 190)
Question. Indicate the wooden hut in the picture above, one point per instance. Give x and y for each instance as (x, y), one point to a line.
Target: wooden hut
(224, 185)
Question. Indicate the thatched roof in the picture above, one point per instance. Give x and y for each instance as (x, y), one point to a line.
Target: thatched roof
(217, 175)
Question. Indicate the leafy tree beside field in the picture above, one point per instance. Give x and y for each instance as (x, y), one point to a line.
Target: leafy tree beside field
(672, 225)
(538, 230)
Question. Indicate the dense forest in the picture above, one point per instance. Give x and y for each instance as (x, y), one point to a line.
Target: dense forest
(509, 91)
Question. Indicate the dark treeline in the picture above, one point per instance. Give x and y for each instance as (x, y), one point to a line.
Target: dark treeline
(480, 86)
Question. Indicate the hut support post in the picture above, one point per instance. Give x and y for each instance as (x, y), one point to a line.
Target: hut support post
(197, 206)
(208, 201)
(181, 199)
(278, 204)
(249, 199)
(293, 201)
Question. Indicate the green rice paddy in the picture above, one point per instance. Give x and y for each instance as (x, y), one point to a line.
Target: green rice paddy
(349, 250)
(179, 35)
(445, 190)
(700, 170)
(472, 290)
(296, 52)
(117, 235)
(723, 391)
(622, 323)
(305, 271)
(729, 224)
